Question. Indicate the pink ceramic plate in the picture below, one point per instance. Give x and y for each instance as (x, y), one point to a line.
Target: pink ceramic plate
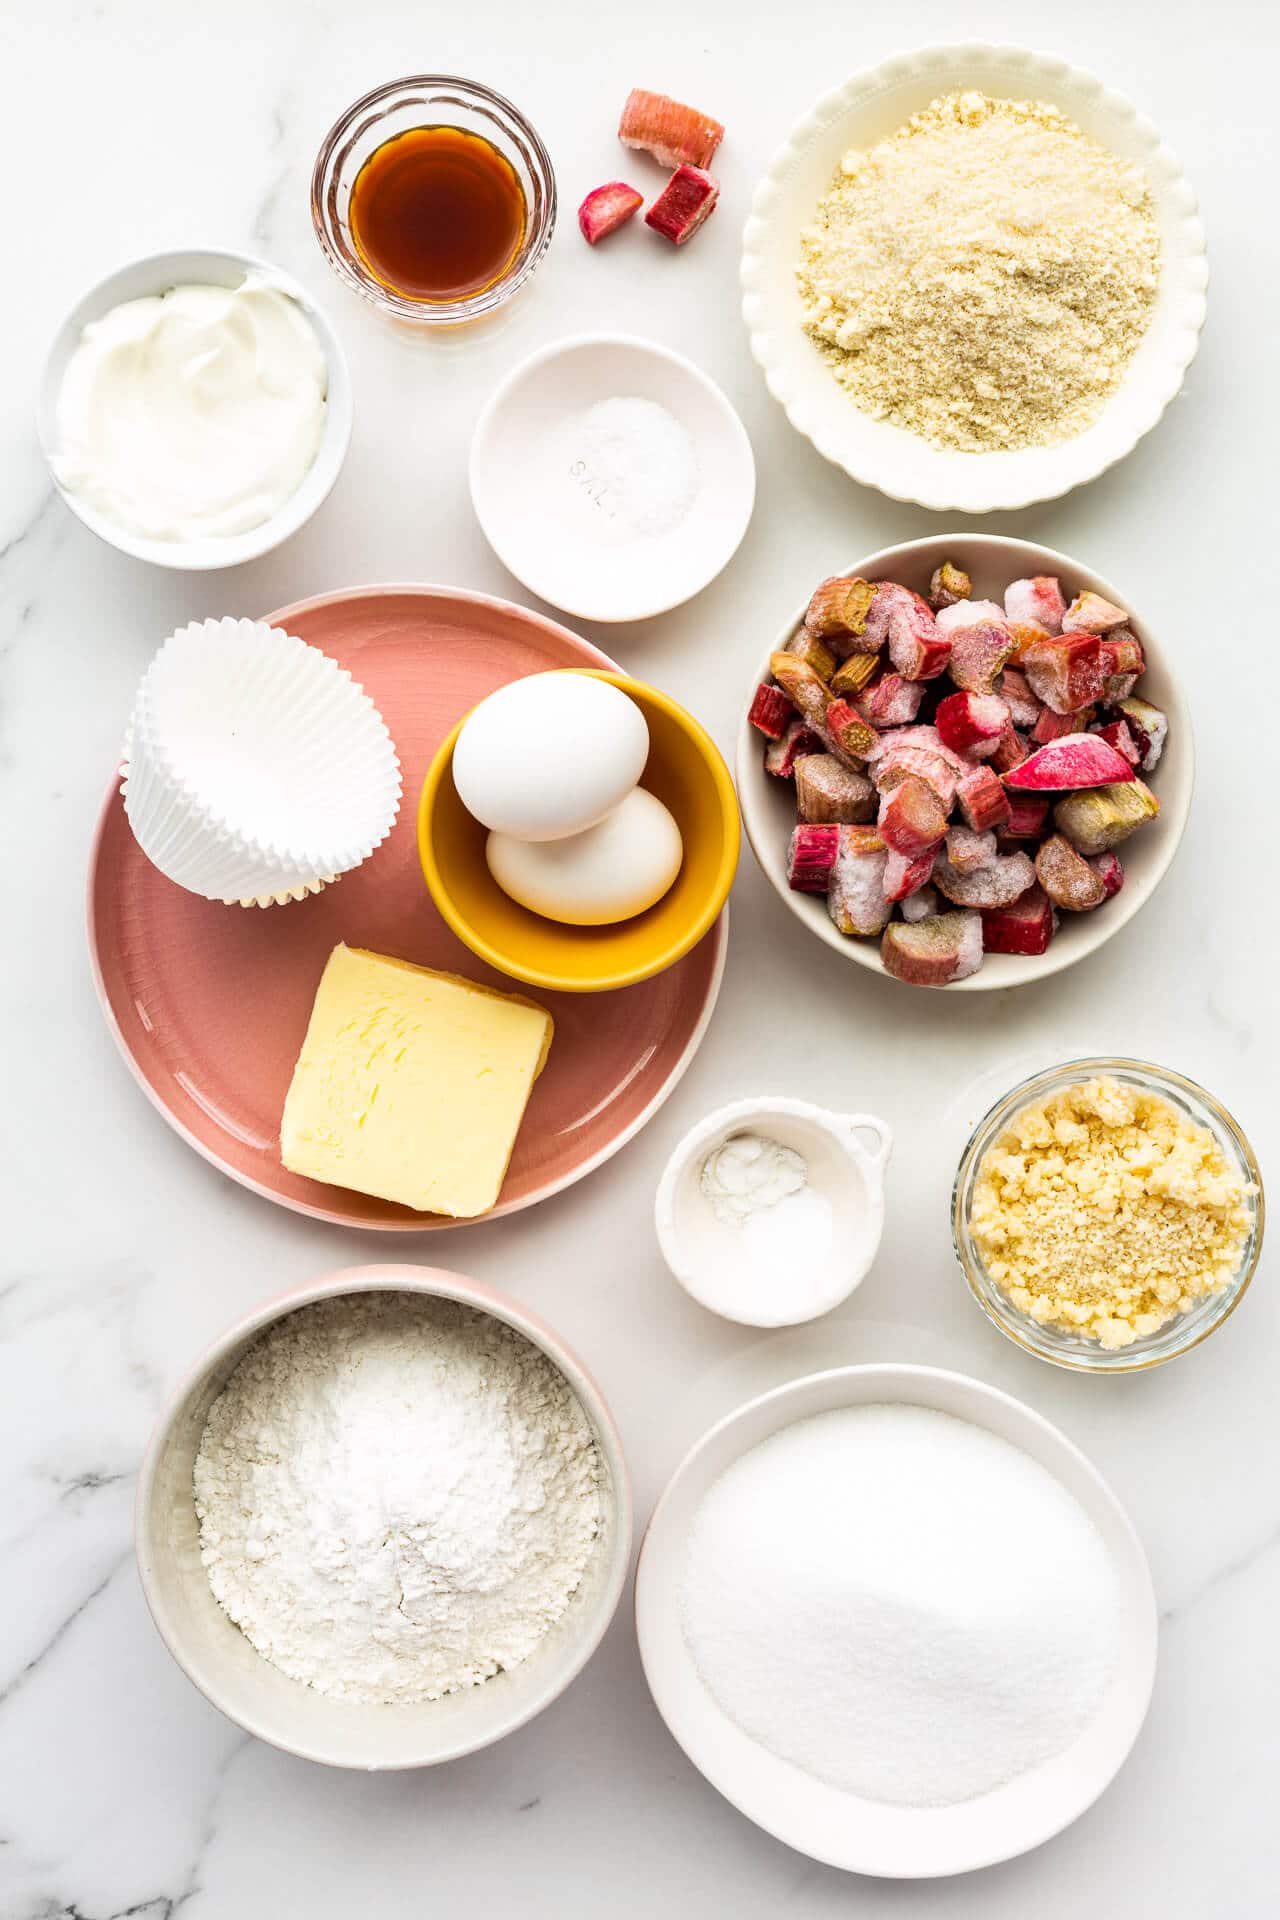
(209, 1004)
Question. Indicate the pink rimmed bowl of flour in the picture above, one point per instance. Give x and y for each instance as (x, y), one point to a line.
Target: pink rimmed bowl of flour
(386, 1520)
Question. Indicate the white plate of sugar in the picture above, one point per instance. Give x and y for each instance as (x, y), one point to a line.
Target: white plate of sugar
(612, 477)
(898, 1620)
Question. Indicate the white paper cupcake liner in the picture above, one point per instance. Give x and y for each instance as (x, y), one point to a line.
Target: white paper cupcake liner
(255, 770)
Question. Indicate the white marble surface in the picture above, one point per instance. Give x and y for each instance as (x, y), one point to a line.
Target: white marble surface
(135, 124)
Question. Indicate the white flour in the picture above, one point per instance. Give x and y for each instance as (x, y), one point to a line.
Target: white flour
(900, 1603)
(397, 1496)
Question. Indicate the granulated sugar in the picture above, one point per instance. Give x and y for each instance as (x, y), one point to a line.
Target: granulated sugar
(900, 1603)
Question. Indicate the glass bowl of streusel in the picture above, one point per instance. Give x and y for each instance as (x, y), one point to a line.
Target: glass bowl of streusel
(1108, 1215)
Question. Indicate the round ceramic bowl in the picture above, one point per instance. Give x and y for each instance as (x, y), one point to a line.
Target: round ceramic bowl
(842, 1829)
(869, 108)
(768, 805)
(1185, 1330)
(235, 1678)
(429, 100)
(216, 267)
(686, 773)
(545, 489)
(705, 1253)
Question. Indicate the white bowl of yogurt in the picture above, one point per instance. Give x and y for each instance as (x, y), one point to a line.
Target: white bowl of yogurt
(195, 408)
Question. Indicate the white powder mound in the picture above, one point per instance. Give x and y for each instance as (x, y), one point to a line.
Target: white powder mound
(631, 468)
(902, 1604)
(397, 1496)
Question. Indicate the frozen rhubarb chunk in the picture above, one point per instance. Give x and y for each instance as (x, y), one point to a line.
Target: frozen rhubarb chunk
(970, 613)
(912, 819)
(978, 656)
(1065, 671)
(1027, 815)
(967, 850)
(1110, 872)
(920, 905)
(1015, 690)
(814, 652)
(1037, 602)
(886, 597)
(971, 723)
(935, 951)
(1117, 734)
(1023, 636)
(1011, 751)
(907, 762)
(811, 857)
(1025, 926)
(1149, 728)
(1090, 613)
(853, 674)
(607, 208)
(837, 612)
(770, 712)
(904, 876)
(855, 899)
(916, 648)
(891, 701)
(982, 799)
(1067, 877)
(828, 791)
(781, 755)
(1055, 726)
(808, 694)
(997, 884)
(685, 202)
(1095, 822)
(849, 730)
(674, 134)
(1077, 760)
(1121, 659)
(948, 585)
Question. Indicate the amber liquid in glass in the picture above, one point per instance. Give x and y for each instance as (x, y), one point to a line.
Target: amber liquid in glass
(437, 213)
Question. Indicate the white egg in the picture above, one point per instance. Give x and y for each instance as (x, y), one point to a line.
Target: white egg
(612, 871)
(549, 755)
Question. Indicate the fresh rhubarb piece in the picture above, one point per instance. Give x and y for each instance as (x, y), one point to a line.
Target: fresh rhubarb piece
(1011, 751)
(1119, 734)
(982, 799)
(1096, 821)
(1024, 636)
(827, 791)
(1067, 877)
(1027, 815)
(1109, 870)
(607, 208)
(1055, 726)
(837, 612)
(849, 730)
(970, 613)
(971, 723)
(924, 737)
(918, 763)
(978, 656)
(814, 652)
(674, 134)
(912, 819)
(998, 884)
(1026, 926)
(948, 585)
(1149, 727)
(808, 694)
(1077, 760)
(920, 905)
(781, 755)
(770, 711)
(916, 648)
(967, 850)
(1065, 671)
(935, 951)
(904, 876)
(855, 899)
(1090, 613)
(1121, 660)
(685, 202)
(1036, 602)
(853, 674)
(811, 857)
(890, 701)
(1015, 690)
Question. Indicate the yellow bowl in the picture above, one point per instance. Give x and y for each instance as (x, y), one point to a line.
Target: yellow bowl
(686, 772)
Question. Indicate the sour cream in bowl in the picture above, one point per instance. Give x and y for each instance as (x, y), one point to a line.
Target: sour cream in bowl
(195, 409)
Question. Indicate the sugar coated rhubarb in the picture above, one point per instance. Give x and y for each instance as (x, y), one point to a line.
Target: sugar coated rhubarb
(607, 208)
(1065, 670)
(916, 648)
(891, 701)
(1077, 760)
(982, 800)
(1067, 877)
(971, 722)
(912, 819)
(811, 857)
(970, 613)
(685, 202)
(935, 951)
(947, 585)
(770, 711)
(1036, 602)
(855, 899)
(674, 134)
(781, 755)
(1097, 821)
(1025, 926)
(828, 791)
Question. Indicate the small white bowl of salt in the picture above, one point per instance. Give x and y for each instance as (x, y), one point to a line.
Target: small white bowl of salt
(770, 1211)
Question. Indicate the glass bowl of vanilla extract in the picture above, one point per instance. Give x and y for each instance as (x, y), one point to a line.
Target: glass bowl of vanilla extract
(434, 198)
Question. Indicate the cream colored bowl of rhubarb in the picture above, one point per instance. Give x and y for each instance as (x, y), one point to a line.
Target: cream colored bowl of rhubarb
(870, 107)
(768, 805)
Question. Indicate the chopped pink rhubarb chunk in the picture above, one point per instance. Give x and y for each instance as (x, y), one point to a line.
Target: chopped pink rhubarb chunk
(1109, 870)
(916, 648)
(811, 857)
(1015, 690)
(607, 208)
(1037, 602)
(935, 951)
(948, 585)
(1065, 671)
(1026, 926)
(1090, 613)
(781, 755)
(770, 711)
(920, 763)
(904, 876)
(982, 799)
(675, 135)
(1118, 734)
(970, 613)
(912, 818)
(1078, 760)
(1027, 815)
(1067, 877)
(682, 206)
(1149, 727)
(890, 701)
(921, 905)
(855, 899)
(967, 850)
(998, 884)
(971, 723)
(1011, 751)
(828, 791)
(978, 655)
(1053, 726)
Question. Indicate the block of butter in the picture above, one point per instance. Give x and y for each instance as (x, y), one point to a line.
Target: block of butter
(411, 1084)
